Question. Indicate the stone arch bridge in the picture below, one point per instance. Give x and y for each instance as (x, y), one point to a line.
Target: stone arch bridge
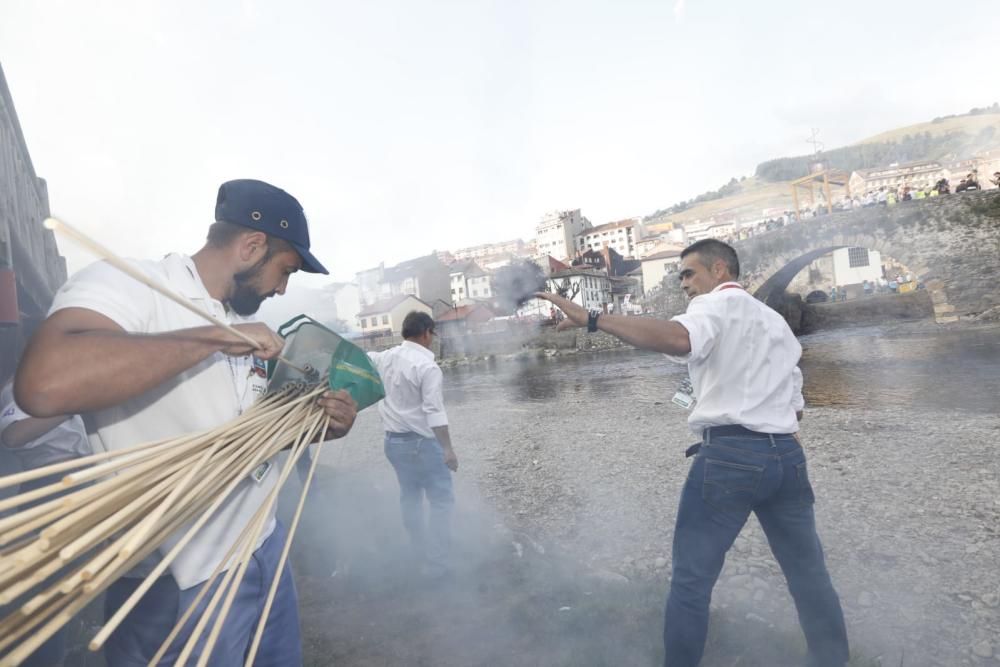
(951, 243)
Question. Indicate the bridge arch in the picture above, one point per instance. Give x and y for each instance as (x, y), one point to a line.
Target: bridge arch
(951, 243)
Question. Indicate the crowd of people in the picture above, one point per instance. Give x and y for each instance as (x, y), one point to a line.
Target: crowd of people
(881, 196)
(881, 285)
(889, 196)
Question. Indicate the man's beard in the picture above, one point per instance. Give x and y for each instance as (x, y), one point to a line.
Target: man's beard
(245, 299)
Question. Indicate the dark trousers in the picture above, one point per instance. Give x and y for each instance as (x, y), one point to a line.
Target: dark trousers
(735, 473)
(420, 469)
(138, 638)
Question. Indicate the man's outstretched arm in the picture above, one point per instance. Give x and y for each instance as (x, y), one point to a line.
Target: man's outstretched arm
(646, 333)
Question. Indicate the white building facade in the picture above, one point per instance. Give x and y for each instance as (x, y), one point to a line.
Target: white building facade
(556, 233)
(469, 281)
(590, 288)
(658, 265)
(852, 266)
(622, 236)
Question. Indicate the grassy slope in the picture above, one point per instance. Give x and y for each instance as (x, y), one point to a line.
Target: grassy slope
(968, 124)
(755, 197)
(758, 195)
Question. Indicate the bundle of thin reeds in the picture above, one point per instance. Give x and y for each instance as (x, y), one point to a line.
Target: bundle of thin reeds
(112, 510)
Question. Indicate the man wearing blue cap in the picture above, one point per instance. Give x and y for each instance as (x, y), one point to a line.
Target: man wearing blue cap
(142, 368)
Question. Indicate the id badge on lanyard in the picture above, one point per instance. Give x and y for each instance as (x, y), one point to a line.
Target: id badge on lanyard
(684, 396)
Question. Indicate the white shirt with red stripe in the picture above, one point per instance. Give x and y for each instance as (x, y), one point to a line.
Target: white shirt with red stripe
(743, 363)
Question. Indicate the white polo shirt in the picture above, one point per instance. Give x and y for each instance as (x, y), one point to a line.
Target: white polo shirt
(743, 363)
(66, 441)
(414, 399)
(206, 395)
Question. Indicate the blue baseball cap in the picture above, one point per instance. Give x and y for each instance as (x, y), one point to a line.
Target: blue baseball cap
(264, 207)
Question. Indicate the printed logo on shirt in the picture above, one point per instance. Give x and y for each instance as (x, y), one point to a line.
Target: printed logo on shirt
(9, 411)
(260, 367)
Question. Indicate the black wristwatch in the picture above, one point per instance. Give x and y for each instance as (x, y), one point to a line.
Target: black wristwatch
(592, 320)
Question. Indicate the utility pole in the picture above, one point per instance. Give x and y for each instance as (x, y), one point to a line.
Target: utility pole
(814, 140)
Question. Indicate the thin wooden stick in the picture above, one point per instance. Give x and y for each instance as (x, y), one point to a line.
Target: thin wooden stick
(230, 585)
(113, 492)
(262, 622)
(25, 521)
(60, 226)
(83, 461)
(63, 616)
(43, 572)
(249, 534)
(146, 526)
(29, 496)
(16, 626)
(152, 496)
(293, 458)
(117, 521)
(120, 614)
(179, 625)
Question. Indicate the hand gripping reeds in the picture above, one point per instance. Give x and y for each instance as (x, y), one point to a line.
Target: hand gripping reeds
(57, 557)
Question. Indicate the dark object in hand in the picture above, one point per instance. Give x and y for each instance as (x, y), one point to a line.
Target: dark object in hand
(515, 283)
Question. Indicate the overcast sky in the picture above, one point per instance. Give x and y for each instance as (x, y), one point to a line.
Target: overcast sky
(408, 126)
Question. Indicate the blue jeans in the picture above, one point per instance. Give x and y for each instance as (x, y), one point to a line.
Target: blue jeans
(732, 475)
(420, 468)
(138, 638)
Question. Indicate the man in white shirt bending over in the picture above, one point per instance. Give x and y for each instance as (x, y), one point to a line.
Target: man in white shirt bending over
(143, 368)
(417, 442)
(743, 362)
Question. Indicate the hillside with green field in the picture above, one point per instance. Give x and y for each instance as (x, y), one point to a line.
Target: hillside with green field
(947, 138)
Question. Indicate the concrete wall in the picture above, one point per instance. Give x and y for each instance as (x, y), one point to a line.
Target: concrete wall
(24, 243)
(867, 310)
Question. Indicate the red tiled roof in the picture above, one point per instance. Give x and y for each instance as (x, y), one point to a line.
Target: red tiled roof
(663, 254)
(386, 305)
(462, 312)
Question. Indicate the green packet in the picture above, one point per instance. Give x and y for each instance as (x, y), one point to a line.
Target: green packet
(345, 364)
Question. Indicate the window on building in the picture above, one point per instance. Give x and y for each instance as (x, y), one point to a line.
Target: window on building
(363, 323)
(857, 257)
(385, 319)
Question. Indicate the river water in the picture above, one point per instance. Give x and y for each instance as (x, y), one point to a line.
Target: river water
(915, 367)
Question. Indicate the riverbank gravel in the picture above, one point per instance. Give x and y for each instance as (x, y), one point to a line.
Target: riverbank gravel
(908, 504)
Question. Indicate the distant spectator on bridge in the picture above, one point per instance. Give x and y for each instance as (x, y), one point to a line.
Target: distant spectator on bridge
(942, 187)
(833, 293)
(867, 287)
(996, 179)
(970, 184)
